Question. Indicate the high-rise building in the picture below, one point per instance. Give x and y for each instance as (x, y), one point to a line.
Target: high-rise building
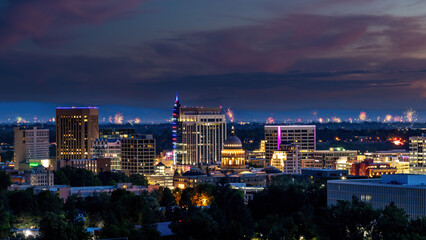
(76, 129)
(30, 144)
(203, 134)
(302, 135)
(138, 155)
(177, 133)
(418, 154)
(108, 148)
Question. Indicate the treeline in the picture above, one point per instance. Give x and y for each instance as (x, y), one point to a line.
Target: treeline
(290, 208)
(79, 177)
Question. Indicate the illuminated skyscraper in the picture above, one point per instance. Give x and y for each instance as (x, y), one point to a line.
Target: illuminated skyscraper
(76, 129)
(177, 133)
(138, 155)
(202, 132)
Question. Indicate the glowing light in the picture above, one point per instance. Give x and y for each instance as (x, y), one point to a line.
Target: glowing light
(336, 120)
(230, 115)
(362, 116)
(137, 121)
(397, 141)
(270, 120)
(410, 115)
(118, 118)
(388, 118)
(320, 120)
(110, 119)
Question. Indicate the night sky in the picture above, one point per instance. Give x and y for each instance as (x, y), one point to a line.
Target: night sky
(261, 58)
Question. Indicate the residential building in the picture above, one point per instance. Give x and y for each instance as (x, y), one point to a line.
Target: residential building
(418, 154)
(302, 135)
(108, 148)
(30, 144)
(76, 130)
(138, 155)
(407, 191)
(203, 134)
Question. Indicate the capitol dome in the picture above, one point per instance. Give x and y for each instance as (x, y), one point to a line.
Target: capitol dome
(232, 142)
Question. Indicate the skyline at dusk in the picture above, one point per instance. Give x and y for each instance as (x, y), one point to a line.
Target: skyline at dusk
(261, 59)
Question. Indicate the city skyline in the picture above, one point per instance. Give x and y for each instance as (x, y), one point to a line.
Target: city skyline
(261, 59)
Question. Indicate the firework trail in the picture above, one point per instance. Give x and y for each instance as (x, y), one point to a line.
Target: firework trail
(118, 118)
(230, 115)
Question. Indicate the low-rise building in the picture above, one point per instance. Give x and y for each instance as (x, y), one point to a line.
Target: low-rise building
(407, 191)
(370, 169)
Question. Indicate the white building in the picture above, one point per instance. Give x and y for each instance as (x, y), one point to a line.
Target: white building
(203, 135)
(108, 148)
(407, 191)
(30, 144)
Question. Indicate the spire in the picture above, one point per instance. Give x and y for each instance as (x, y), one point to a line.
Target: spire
(232, 130)
(177, 97)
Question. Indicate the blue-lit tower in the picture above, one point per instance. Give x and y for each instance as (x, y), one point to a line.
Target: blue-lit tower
(177, 133)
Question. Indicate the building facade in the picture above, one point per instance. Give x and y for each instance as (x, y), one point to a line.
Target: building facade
(302, 135)
(407, 191)
(329, 159)
(203, 134)
(138, 155)
(369, 168)
(418, 154)
(76, 130)
(30, 144)
(108, 148)
(38, 176)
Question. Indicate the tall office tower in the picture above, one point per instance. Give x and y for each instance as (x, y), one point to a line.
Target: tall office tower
(76, 129)
(30, 144)
(203, 135)
(138, 155)
(418, 154)
(302, 135)
(177, 133)
(108, 148)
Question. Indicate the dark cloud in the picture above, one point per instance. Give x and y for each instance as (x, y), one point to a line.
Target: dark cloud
(288, 63)
(41, 20)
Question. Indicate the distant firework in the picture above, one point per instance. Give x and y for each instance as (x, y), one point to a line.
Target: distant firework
(320, 120)
(336, 120)
(137, 121)
(230, 115)
(410, 115)
(118, 118)
(110, 119)
(362, 116)
(388, 118)
(270, 120)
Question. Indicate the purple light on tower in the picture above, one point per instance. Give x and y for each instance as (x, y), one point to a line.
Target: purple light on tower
(279, 137)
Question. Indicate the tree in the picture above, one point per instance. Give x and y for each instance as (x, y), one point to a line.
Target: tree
(348, 220)
(392, 223)
(195, 224)
(138, 179)
(53, 226)
(5, 180)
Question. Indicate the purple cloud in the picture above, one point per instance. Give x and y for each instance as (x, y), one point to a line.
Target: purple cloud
(38, 18)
